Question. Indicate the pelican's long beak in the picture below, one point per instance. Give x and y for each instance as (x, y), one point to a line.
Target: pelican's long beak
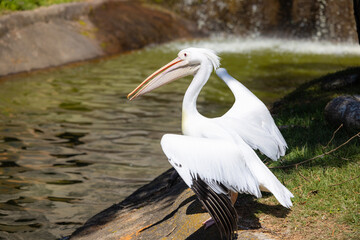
(175, 69)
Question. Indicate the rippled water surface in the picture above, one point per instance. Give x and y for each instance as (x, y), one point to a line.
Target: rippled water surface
(72, 145)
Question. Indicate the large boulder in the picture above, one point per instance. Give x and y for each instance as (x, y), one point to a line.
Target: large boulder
(163, 209)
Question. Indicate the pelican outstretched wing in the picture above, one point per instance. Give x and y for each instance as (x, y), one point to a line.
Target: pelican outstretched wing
(223, 165)
(251, 120)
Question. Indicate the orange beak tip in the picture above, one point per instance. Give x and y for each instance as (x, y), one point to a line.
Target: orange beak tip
(129, 97)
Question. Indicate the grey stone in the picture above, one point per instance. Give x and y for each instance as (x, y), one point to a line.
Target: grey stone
(344, 110)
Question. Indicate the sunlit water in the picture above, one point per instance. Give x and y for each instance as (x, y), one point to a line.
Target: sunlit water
(72, 145)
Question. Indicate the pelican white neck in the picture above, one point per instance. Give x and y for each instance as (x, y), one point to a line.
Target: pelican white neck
(189, 108)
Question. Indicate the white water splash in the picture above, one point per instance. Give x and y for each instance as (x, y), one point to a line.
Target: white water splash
(243, 45)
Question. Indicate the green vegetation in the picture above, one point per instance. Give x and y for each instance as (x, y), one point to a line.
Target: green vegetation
(326, 187)
(18, 5)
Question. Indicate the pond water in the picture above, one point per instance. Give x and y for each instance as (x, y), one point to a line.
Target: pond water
(71, 144)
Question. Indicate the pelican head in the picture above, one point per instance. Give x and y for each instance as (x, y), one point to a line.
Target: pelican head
(187, 63)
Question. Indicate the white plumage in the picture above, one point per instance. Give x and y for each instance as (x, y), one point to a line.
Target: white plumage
(251, 119)
(217, 160)
(214, 160)
(219, 151)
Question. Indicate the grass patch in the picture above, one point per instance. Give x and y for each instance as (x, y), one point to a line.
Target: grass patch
(327, 188)
(20, 5)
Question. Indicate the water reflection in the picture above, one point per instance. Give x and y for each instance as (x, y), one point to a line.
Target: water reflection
(72, 145)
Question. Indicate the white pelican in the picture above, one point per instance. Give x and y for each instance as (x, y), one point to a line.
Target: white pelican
(215, 156)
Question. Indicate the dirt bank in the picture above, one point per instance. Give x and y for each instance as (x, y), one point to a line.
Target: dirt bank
(66, 33)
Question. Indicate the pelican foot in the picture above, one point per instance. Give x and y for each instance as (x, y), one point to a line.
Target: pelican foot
(208, 223)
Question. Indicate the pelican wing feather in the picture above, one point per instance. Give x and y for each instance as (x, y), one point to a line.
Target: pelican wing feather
(222, 165)
(251, 119)
(213, 160)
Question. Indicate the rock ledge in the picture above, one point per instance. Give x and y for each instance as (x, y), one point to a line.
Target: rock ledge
(160, 211)
(66, 33)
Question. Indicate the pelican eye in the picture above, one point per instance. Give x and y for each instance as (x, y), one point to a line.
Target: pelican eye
(185, 55)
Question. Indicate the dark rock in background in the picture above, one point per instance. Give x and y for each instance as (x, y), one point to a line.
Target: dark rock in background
(331, 20)
(344, 110)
